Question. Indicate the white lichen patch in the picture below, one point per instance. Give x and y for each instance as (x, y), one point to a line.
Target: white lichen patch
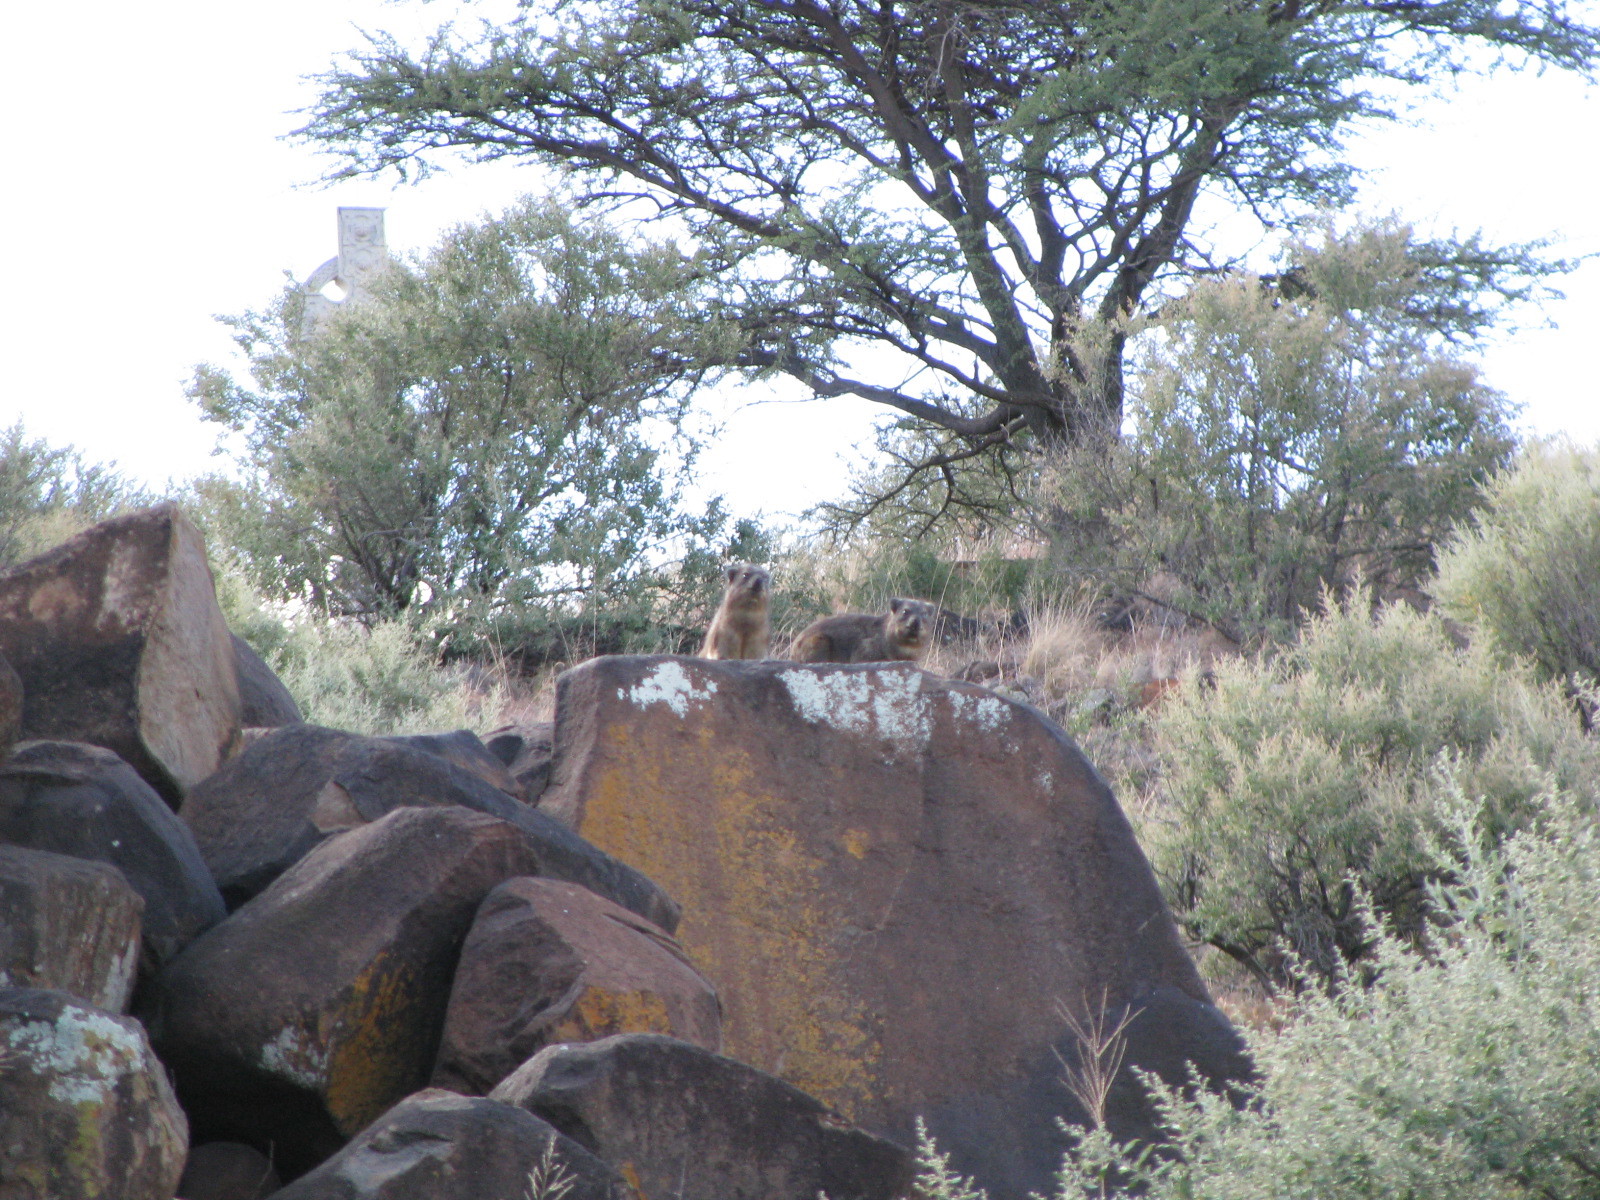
(296, 1056)
(888, 703)
(668, 684)
(989, 712)
(84, 1052)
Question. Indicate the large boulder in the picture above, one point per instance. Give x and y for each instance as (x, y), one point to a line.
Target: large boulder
(439, 1146)
(897, 882)
(263, 700)
(10, 706)
(299, 785)
(548, 962)
(67, 925)
(85, 1109)
(119, 642)
(680, 1121)
(467, 751)
(85, 802)
(319, 1004)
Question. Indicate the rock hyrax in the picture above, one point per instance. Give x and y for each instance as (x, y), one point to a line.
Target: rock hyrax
(900, 635)
(740, 629)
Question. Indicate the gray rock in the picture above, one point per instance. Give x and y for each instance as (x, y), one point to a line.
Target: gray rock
(697, 1126)
(86, 1112)
(436, 1145)
(297, 786)
(319, 1004)
(85, 802)
(68, 925)
(548, 962)
(119, 642)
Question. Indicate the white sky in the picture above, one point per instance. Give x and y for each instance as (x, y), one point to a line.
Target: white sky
(147, 189)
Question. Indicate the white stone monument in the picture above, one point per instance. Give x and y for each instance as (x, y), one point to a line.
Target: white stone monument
(363, 254)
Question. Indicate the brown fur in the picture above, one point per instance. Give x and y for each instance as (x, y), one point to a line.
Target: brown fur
(741, 629)
(900, 635)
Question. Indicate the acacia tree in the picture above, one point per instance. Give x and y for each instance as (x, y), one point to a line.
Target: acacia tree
(949, 207)
(478, 433)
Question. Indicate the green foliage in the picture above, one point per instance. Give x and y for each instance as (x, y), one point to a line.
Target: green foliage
(381, 678)
(1289, 434)
(48, 493)
(931, 205)
(490, 433)
(377, 679)
(1527, 571)
(1293, 786)
(1469, 1069)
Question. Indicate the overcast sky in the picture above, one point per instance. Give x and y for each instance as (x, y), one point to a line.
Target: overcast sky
(148, 188)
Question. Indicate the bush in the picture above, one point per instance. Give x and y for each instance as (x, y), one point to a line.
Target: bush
(1469, 1069)
(1291, 786)
(1287, 434)
(381, 679)
(378, 680)
(49, 493)
(1527, 572)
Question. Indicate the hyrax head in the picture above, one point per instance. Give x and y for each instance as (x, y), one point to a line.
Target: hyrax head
(909, 624)
(748, 581)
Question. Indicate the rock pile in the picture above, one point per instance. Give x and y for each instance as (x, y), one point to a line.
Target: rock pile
(250, 960)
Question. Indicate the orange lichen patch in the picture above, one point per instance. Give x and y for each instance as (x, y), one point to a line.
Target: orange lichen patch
(370, 1067)
(631, 1174)
(761, 914)
(856, 842)
(598, 1013)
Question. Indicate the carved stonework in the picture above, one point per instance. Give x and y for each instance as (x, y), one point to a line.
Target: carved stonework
(363, 254)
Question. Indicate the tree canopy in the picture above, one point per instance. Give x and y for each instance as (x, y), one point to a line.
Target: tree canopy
(949, 207)
(487, 431)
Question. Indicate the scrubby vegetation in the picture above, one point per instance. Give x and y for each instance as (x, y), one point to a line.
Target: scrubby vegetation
(1374, 815)
(1525, 572)
(1467, 1068)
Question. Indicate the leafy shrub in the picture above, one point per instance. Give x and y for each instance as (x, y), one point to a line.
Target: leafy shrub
(1287, 433)
(1469, 1069)
(378, 679)
(1292, 785)
(1527, 572)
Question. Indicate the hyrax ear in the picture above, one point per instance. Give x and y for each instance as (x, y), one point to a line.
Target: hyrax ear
(896, 605)
(733, 572)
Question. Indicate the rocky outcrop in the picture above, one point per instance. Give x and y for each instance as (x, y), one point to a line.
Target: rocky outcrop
(549, 962)
(319, 1004)
(85, 802)
(904, 889)
(439, 1146)
(297, 786)
(85, 1108)
(67, 925)
(680, 1121)
(896, 882)
(119, 642)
